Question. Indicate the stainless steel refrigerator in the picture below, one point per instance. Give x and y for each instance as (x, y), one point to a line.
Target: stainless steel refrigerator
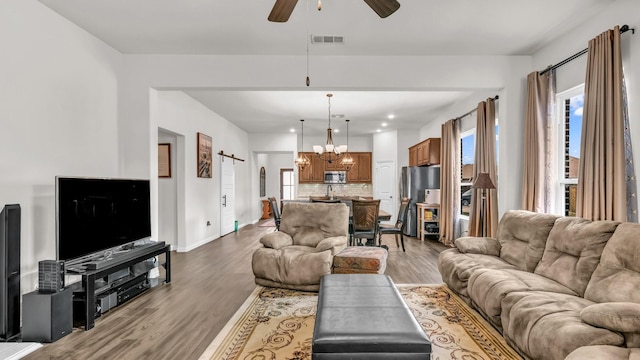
(415, 180)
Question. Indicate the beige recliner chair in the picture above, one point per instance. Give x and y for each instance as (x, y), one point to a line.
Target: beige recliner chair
(298, 255)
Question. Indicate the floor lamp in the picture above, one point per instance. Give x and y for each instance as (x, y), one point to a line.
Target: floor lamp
(483, 181)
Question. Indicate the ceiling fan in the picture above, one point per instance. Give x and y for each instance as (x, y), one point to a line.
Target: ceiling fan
(282, 9)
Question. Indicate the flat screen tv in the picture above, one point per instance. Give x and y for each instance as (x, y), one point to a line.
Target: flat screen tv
(97, 214)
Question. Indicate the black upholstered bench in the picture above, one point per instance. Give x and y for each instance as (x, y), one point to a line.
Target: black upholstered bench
(363, 316)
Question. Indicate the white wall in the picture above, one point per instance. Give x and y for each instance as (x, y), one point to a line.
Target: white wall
(168, 193)
(179, 113)
(58, 116)
(275, 162)
(142, 72)
(620, 12)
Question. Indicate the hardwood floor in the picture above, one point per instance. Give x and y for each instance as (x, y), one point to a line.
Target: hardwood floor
(179, 320)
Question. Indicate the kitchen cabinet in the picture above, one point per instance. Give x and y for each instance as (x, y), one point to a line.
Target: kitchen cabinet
(361, 171)
(424, 153)
(334, 165)
(314, 172)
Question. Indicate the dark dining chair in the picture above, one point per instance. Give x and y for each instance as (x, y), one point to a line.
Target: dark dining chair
(398, 228)
(275, 211)
(365, 220)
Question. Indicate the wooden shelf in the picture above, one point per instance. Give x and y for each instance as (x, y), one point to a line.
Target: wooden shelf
(428, 220)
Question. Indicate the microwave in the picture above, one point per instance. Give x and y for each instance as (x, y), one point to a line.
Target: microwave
(335, 177)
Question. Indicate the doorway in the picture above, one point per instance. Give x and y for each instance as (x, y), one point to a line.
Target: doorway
(227, 196)
(171, 227)
(385, 187)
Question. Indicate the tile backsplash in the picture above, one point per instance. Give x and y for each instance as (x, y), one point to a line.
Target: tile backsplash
(306, 190)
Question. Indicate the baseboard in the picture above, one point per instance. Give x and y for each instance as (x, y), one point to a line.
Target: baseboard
(197, 245)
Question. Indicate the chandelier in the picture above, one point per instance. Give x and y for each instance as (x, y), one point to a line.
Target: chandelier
(329, 152)
(302, 161)
(347, 161)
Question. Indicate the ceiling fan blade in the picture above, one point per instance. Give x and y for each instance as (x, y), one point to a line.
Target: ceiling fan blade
(282, 9)
(383, 8)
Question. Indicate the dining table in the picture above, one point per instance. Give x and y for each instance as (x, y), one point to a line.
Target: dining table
(382, 215)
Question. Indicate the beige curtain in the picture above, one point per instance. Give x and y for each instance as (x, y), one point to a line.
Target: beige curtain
(485, 162)
(450, 152)
(602, 187)
(538, 171)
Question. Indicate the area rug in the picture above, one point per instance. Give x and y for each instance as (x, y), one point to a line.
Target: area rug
(277, 324)
(268, 223)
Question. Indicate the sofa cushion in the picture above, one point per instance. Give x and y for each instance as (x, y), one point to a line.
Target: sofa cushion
(488, 287)
(546, 325)
(456, 268)
(309, 223)
(617, 277)
(276, 240)
(618, 316)
(335, 244)
(293, 265)
(478, 245)
(573, 251)
(522, 235)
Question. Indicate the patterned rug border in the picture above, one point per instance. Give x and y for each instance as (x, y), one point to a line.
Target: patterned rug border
(233, 322)
(475, 326)
(456, 304)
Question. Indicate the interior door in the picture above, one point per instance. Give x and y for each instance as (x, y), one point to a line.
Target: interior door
(385, 186)
(227, 196)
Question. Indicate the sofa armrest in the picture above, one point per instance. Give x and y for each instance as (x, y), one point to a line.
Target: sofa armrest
(616, 316)
(478, 245)
(331, 242)
(276, 240)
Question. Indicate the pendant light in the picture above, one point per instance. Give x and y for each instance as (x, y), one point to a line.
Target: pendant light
(329, 152)
(347, 161)
(302, 161)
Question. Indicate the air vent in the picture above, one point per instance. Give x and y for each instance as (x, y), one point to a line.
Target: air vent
(327, 39)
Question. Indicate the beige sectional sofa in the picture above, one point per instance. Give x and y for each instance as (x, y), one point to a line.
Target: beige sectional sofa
(556, 287)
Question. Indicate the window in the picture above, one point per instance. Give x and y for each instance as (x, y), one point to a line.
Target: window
(570, 104)
(287, 188)
(468, 149)
(468, 143)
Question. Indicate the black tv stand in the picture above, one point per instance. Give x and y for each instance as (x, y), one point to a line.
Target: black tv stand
(98, 281)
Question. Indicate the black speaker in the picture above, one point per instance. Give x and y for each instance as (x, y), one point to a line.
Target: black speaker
(47, 317)
(10, 271)
(50, 276)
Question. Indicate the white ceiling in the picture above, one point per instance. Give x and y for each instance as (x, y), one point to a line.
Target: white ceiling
(234, 27)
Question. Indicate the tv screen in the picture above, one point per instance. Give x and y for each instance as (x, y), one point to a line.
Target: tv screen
(95, 214)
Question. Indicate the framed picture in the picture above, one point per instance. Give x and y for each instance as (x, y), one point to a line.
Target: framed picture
(204, 156)
(164, 160)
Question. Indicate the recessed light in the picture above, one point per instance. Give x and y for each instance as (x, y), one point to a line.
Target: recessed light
(391, 116)
(336, 130)
(378, 130)
(337, 116)
(384, 124)
(292, 130)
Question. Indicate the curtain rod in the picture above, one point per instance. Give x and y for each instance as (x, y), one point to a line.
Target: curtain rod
(474, 110)
(623, 30)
